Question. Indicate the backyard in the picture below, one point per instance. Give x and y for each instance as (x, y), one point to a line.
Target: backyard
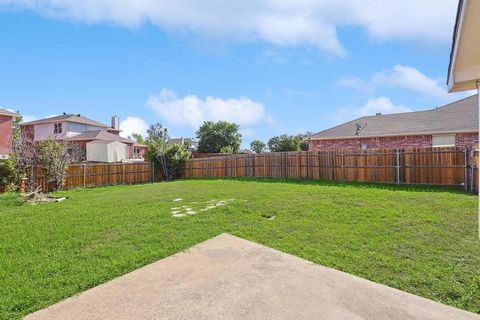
(421, 240)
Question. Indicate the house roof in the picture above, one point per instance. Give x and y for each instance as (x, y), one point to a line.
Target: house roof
(463, 69)
(68, 117)
(459, 116)
(5, 112)
(99, 135)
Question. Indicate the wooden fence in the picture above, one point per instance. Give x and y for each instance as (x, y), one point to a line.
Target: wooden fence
(426, 166)
(103, 174)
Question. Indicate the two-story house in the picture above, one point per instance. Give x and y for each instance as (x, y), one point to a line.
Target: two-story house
(100, 142)
(6, 132)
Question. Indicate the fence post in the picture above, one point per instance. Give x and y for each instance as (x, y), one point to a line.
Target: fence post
(123, 172)
(397, 166)
(465, 179)
(84, 175)
(153, 172)
(472, 168)
(298, 165)
(343, 166)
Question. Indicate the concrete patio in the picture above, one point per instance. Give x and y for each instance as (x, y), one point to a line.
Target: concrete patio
(230, 278)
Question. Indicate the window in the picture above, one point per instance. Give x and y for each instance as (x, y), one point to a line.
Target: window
(57, 128)
(136, 152)
(444, 140)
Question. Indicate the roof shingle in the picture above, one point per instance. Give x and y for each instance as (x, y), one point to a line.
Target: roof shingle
(459, 116)
(76, 118)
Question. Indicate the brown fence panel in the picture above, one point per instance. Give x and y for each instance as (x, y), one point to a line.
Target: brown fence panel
(103, 174)
(436, 166)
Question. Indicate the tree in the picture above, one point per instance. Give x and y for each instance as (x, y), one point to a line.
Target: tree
(258, 146)
(54, 159)
(285, 143)
(175, 156)
(157, 143)
(213, 136)
(227, 150)
(137, 137)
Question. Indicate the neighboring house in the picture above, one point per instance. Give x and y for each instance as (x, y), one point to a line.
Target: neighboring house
(455, 124)
(191, 143)
(6, 132)
(99, 141)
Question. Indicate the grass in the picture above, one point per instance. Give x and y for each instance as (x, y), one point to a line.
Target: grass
(421, 240)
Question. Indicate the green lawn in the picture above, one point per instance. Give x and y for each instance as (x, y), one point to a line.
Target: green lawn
(419, 240)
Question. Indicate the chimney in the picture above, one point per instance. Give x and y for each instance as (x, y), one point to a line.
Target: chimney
(116, 122)
(378, 114)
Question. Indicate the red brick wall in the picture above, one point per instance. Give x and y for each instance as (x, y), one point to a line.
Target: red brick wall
(6, 125)
(421, 141)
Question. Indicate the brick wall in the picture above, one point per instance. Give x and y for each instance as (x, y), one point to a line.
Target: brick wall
(421, 141)
(6, 124)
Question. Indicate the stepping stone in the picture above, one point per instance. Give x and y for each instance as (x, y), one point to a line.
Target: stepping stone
(179, 215)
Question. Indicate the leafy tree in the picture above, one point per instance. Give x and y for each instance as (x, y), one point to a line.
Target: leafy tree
(137, 138)
(16, 127)
(54, 158)
(285, 142)
(258, 146)
(304, 145)
(157, 143)
(227, 150)
(213, 136)
(175, 156)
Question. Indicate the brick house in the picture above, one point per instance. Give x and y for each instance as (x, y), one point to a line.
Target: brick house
(455, 124)
(99, 141)
(6, 132)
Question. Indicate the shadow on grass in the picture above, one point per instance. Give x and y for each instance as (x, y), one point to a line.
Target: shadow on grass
(370, 185)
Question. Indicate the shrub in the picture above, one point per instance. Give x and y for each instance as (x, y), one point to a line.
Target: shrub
(175, 156)
(54, 158)
(7, 175)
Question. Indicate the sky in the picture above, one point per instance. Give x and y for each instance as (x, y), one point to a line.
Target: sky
(272, 66)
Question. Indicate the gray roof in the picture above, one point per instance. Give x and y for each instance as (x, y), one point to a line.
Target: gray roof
(459, 116)
(5, 112)
(69, 117)
(99, 135)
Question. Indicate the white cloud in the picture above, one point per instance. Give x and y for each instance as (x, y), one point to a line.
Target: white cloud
(192, 111)
(356, 83)
(28, 118)
(381, 105)
(403, 77)
(133, 125)
(411, 79)
(283, 23)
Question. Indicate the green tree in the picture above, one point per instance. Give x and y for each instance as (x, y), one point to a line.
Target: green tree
(157, 144)
(137, 137)
(54, 159)
(213, 136)
(227, 150)
(258, 146)
(285, 142)
(176, 155)
(16, 128)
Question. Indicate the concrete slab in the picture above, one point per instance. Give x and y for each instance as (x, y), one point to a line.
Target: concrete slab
(230, 278)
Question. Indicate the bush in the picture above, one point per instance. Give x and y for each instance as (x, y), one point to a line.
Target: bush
(54, 158)
(175, 156)
(227, 150)
(7, 175)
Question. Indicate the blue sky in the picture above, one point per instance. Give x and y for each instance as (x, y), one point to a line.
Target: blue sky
(274, 67)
